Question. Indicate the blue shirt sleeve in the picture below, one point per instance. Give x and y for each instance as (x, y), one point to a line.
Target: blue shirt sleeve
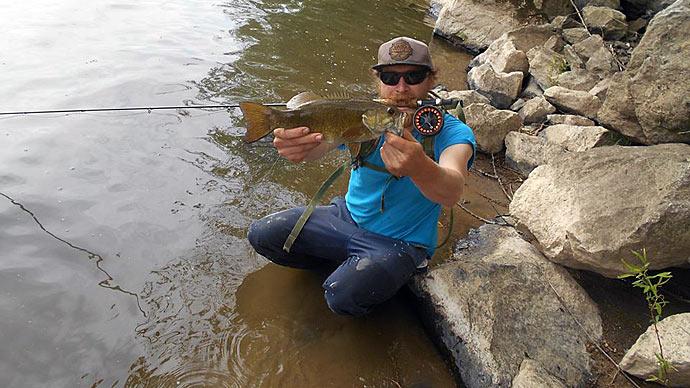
(455, 132)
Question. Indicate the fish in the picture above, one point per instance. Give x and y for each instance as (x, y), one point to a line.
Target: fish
(340, 119)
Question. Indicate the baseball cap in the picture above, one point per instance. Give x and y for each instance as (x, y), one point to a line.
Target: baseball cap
(404, 51)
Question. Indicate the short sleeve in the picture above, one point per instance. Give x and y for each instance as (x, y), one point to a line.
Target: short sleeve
(455, 132)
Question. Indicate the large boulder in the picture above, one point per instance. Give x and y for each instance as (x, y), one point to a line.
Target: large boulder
(491, 125)
(589, 210)
(532, 375)
(573, 101)
(526, 152)
(476, 24)
(674, 332)
(501, 88)
(498, 301)
(650, 100)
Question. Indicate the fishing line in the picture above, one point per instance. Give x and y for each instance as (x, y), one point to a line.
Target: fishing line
(132, 108)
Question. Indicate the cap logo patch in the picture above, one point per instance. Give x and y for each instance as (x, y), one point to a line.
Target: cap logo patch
(400, 50)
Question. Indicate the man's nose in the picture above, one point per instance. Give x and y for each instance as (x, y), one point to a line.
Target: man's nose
(402, 85)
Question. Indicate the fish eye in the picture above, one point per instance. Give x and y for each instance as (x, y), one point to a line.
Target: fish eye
(390, 110)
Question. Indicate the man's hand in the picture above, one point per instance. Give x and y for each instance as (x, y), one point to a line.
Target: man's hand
(296, 144)
(404, 156)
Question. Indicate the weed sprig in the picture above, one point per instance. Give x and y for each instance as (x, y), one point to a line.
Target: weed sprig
(650, 285)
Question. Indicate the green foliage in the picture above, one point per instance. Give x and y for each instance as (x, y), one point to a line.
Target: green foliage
(650, 285)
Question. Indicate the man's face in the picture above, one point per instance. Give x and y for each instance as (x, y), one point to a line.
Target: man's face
(402, 94)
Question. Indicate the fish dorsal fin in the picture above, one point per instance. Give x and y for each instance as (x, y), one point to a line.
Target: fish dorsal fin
(338, 96)
(302, 99)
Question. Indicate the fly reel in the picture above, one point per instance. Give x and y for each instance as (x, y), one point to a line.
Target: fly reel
(428, 118)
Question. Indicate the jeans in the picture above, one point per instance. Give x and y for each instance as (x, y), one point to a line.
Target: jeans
(371, 268)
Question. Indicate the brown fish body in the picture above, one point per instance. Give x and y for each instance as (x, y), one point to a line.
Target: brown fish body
(339, 120)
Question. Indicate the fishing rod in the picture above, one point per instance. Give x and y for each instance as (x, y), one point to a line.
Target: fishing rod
(146, 108)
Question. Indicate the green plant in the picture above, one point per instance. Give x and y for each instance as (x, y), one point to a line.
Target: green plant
(650, 285)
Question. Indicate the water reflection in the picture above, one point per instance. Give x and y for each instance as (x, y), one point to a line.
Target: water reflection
(166, 198)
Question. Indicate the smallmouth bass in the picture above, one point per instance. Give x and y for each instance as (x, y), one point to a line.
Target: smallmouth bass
(341, 120)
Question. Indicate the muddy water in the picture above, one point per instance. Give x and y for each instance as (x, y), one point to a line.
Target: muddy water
(123, 258)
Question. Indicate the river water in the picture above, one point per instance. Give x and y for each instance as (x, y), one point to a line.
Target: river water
(123, 257)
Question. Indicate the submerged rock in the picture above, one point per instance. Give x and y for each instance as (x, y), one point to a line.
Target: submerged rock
(499, 301)
(650, 100)
(589, 210)
(674, 332)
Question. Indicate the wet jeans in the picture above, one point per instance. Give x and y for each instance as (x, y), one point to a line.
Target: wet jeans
(371, 268)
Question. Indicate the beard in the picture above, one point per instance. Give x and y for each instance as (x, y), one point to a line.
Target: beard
(404, 100)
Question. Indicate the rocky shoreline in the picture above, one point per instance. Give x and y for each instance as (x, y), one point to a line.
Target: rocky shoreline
(592, 106)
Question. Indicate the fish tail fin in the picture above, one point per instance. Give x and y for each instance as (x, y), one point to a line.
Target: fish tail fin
(258, 118)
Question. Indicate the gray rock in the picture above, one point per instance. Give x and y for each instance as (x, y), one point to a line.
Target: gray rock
(575, 35)
(578, 79)
(588, 210)
(535, 110)
(602, 62)
(614, 4)
(555, 43)
(525, 152)
(608, 22)
(474, 25)
(504, 57)
(572, 58)
(636, 25)
(650, 100)
(562, 22)
(674, 332)
(532, 89)
(467, 97)
(569, 120)
(491, 125)
(573, 101)
(545, 65)
(589, 46)
(518, 104)
(502, 89)
(532, 375)
(578, 138)
(495, 304)
(601, 88)
(529, 37)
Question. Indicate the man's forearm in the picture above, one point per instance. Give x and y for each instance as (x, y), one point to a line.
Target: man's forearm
(439, 184)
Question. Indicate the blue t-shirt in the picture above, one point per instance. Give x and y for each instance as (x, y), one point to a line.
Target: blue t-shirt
(408, 214)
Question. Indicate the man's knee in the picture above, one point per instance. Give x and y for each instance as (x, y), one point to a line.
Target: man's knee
(344, 302)
(358, 285)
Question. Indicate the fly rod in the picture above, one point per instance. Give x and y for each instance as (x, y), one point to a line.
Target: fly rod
(147, 108)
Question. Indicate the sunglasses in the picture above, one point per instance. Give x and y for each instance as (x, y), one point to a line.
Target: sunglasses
(392, 78)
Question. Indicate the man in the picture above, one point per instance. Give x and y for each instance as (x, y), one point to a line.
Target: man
(376, 252)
